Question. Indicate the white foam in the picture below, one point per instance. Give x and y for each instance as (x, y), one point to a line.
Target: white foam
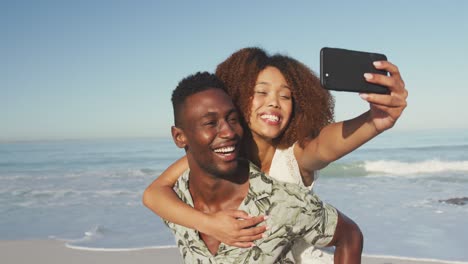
(405, 168)
(415, 259)
(117, 249)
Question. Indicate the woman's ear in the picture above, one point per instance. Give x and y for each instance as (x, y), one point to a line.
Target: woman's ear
(178, 136)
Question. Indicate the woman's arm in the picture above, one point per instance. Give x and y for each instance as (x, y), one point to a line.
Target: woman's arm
(160, 197)
(348, 241)
(338, 139)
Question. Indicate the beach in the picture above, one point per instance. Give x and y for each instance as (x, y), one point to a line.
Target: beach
(56, 252)
(407, 192)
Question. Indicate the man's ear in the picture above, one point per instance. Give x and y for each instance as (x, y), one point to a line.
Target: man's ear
(178, 136)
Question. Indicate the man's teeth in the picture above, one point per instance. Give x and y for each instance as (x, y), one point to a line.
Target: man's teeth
(225, 150)
(271, 117)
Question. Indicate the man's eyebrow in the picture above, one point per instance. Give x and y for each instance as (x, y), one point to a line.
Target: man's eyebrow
(233, 111)
(215, 114)
(210, 114)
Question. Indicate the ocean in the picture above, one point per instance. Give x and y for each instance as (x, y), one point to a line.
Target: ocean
(408, 192)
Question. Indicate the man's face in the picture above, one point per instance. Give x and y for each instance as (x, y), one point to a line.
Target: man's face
(212, 132)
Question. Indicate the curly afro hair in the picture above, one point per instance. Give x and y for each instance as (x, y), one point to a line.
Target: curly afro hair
(312, 105)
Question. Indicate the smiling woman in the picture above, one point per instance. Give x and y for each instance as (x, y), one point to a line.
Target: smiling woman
(271, 104)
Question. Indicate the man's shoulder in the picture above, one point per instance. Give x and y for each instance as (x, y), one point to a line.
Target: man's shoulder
(181, 187)
(278, 190)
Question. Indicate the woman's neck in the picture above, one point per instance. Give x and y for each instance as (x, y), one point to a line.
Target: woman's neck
(263, 152)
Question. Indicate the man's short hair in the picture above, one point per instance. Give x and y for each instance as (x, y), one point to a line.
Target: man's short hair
(191, 85)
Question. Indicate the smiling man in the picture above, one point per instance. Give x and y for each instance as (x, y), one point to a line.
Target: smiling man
(207, 126)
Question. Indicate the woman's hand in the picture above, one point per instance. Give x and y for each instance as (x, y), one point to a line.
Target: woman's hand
(385, 109)
(234, 227)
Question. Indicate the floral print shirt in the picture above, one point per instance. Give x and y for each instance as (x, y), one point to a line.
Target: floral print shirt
(293, 213)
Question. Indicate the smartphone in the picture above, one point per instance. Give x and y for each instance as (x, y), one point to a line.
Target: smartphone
(343, 70)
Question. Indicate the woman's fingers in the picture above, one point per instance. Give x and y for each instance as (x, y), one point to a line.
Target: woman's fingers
(238, 214)
(394, 82)
(236, 228)
(388, 66)
(394, 100)
(251, 234)
(253, 221)
(242, 244)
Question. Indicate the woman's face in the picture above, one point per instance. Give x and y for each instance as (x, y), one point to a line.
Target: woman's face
(271, 105)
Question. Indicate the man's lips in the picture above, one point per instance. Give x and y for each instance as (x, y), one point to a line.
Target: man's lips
(227, 153)
(225, 150)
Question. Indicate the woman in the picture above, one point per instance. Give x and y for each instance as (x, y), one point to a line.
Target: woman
(289, 116)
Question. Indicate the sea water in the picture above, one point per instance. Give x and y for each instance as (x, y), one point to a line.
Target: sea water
(399, 188)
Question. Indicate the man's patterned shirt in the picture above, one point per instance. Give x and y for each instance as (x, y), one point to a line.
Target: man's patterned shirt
(293, 213)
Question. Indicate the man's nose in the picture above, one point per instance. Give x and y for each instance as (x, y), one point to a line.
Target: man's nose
(226, 130)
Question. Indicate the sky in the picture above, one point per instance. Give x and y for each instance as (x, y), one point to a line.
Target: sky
(106, 69)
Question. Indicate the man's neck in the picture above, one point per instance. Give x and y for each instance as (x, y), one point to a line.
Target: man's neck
(211, 194)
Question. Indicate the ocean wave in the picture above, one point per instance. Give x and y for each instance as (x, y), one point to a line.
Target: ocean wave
(392, 167)
(103, 249)
(411, 259)
(404, 168)
(448, 147)
(100, 238)
(61, 193)
(338, 169)
(47, 175)
(49, 198)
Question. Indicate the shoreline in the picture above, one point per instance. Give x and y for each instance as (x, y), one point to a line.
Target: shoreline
(55, 251)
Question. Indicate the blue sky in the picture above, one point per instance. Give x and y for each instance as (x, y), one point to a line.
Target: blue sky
(106, 69)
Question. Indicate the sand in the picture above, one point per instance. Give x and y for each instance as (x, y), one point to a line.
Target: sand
(55, 252)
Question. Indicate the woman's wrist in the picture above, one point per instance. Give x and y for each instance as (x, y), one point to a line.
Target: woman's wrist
(202, 222)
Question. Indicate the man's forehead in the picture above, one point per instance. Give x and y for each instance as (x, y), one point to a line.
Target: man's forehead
(211, 98)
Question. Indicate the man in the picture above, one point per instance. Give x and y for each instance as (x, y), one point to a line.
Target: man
(207, 126)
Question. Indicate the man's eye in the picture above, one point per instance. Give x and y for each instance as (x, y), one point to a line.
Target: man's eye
(210, 123)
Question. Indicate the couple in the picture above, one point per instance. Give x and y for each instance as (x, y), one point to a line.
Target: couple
(287, 115)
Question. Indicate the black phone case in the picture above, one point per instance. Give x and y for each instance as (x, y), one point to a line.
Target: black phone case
(343, 70)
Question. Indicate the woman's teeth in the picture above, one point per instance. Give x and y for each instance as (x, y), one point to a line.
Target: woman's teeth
(271, 117)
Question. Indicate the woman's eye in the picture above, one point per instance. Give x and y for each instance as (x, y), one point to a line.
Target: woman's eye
(260, 92)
